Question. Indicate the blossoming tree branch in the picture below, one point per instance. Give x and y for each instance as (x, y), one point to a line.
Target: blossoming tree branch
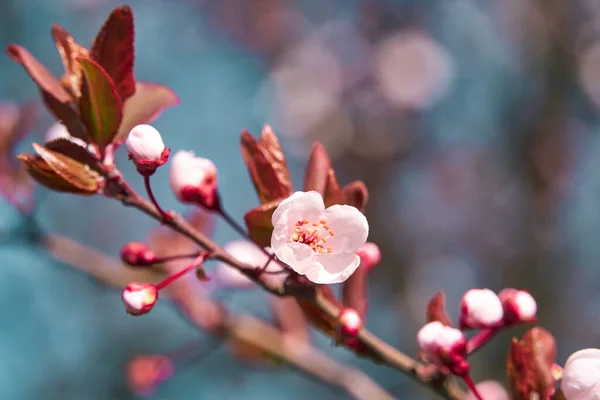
(295, 244)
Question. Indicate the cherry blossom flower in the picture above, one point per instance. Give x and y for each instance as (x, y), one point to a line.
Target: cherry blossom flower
(139, 298)
(248, 253)
(581, 375)
(317, 242)
(519, 306)
(146, 149)
(194, 179)
(439, 343)
(480, 308)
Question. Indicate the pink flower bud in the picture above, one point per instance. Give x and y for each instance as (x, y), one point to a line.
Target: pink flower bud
(146, 149)
(350, 322)
(581, 375)
(442, 345)
(194, 180)
(137, 254)
(144, 373)
(480, 308)
(519, 306)
(139, 298)
(369, 255)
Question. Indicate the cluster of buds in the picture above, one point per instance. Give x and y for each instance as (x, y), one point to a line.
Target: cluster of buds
(483, 309)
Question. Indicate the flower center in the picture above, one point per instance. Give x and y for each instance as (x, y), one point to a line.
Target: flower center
(313, 234)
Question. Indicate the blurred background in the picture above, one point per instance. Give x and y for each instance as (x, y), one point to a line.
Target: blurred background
(474, 125)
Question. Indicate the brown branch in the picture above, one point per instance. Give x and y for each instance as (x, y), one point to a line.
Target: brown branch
(385, 352)
(243, 328)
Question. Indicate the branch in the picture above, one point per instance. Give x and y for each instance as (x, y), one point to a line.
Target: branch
(244, 328)
(446, 387)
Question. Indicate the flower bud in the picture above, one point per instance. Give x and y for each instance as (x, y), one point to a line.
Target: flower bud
(146, 149)
(369, 255)
(137, 254)
(489, 390)
(444, 346)
(194, 180)
(480, 308)
(144, 373)
(519, 306)
(581, 375)
(350, 322)
(139, 298)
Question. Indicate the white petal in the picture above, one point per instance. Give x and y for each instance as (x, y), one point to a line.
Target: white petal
(350, 228)
(299, 205)
(581, 375)
(483, 308)
(333, 268)
(299, 257)
(145, 143)
(427, 335)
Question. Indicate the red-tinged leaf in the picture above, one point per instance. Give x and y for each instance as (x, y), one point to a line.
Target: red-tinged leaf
(113, 50)
(201, 275)
(317, 169)
(69, 51)
(258, 222)
(42, 173)
(529, 366)
(40, 75)
(74, 151)
(267, 166)
(148, 102)
(436, 309)
(289, 317)
(333, 192)
(67, 115)
(100, 106)
(354, 291)
(356, 195)
(75, 173)
(316, 317)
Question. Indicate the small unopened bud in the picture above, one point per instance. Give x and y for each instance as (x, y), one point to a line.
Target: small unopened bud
(137, 254)
(519, 306)
(144, 373)
(581, 375)
(146, 149)
(194, 180)
(139, 298)
(369, 255)
(444, 346)
(480, 308)
(350, 322)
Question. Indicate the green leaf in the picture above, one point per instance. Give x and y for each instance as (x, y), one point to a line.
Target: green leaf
(113, 50)
(258, 222)
(75, 173)
(100, 106)
(148, 102)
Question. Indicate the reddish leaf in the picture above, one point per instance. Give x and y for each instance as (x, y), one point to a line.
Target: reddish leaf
(333, 193)
(289, 317)
(530, 363)
(354, 291)
(317, 169)
(39, 170)
(436, 309)
(148, 102)
(100, 106)
(74, 151)
(258, 222)
(67, 115)
(267, 166)
(113, 50)
(356, 195)
(56, 98)
(69, 51)
(75, 173)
